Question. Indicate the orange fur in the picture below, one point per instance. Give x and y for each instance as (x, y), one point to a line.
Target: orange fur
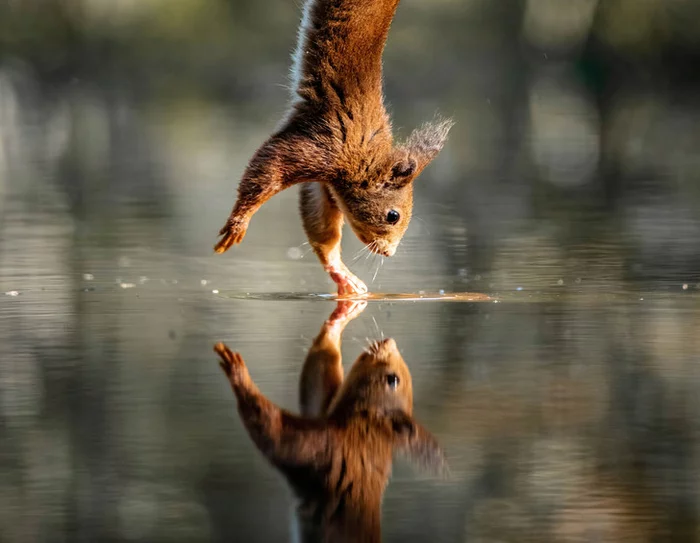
(337, 455)
(338, 134)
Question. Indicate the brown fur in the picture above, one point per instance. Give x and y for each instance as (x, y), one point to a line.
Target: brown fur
(337, 455)
(338, 134)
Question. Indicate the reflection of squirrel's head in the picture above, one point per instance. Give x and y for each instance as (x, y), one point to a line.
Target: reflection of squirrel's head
(379, 388)
(374, 183)
(379, 382)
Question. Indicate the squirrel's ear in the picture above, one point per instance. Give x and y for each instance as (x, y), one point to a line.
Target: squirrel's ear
(403, 168)
(403, 171)
(424, 143)
(415, 442)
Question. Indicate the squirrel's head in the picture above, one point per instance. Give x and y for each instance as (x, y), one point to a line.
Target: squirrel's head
(376, 192)
(379, 381)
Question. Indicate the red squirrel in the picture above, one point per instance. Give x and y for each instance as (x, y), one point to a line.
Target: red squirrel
(337, 454)
(336, 140)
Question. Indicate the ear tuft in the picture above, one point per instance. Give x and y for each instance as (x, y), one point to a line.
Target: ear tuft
(430, 138)
(425, 142)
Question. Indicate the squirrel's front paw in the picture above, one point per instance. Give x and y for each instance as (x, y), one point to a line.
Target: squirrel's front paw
(354, 286)
(232, 363)
(346, 311)
(348, 284)
(233, 233)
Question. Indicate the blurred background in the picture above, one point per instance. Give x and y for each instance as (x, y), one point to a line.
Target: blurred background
(569, 191)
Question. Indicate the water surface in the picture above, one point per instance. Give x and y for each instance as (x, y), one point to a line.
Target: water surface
(545, 297)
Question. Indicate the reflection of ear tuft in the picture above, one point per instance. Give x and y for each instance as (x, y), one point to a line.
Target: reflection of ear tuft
(403, 168)
(414, 441)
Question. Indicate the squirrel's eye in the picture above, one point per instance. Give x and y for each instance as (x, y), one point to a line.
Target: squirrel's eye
(392, 380)
(393, 217)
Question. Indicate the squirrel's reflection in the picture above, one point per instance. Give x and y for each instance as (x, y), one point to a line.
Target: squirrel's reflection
(337, 454)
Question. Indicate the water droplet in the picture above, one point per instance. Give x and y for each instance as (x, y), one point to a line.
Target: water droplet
(203, 282)
(685, 286)
(88, 276)
(294, 253)
(12, 293)
(127, 285)
(215, 291)
(560, 282)
(519, 288)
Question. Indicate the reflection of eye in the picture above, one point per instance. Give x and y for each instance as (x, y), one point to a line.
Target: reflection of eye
(393, 217)
(392, 380)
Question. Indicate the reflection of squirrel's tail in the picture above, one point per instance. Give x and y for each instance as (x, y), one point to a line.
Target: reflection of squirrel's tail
(341, 37)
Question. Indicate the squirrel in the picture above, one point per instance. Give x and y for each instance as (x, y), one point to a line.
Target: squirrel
(337, 454)
(336, 141)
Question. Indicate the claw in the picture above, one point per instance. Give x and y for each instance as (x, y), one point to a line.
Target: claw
(233, 231)
(348, 284)
(348, 287)
(346, 311)
(230, 361)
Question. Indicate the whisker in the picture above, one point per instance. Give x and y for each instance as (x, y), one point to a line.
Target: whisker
(377, 330)
(371, 346)
(376, 271)
(357, 255)
(425, 224)
(376, 264)
(380, 264)
(360, 252)
(371, 251)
